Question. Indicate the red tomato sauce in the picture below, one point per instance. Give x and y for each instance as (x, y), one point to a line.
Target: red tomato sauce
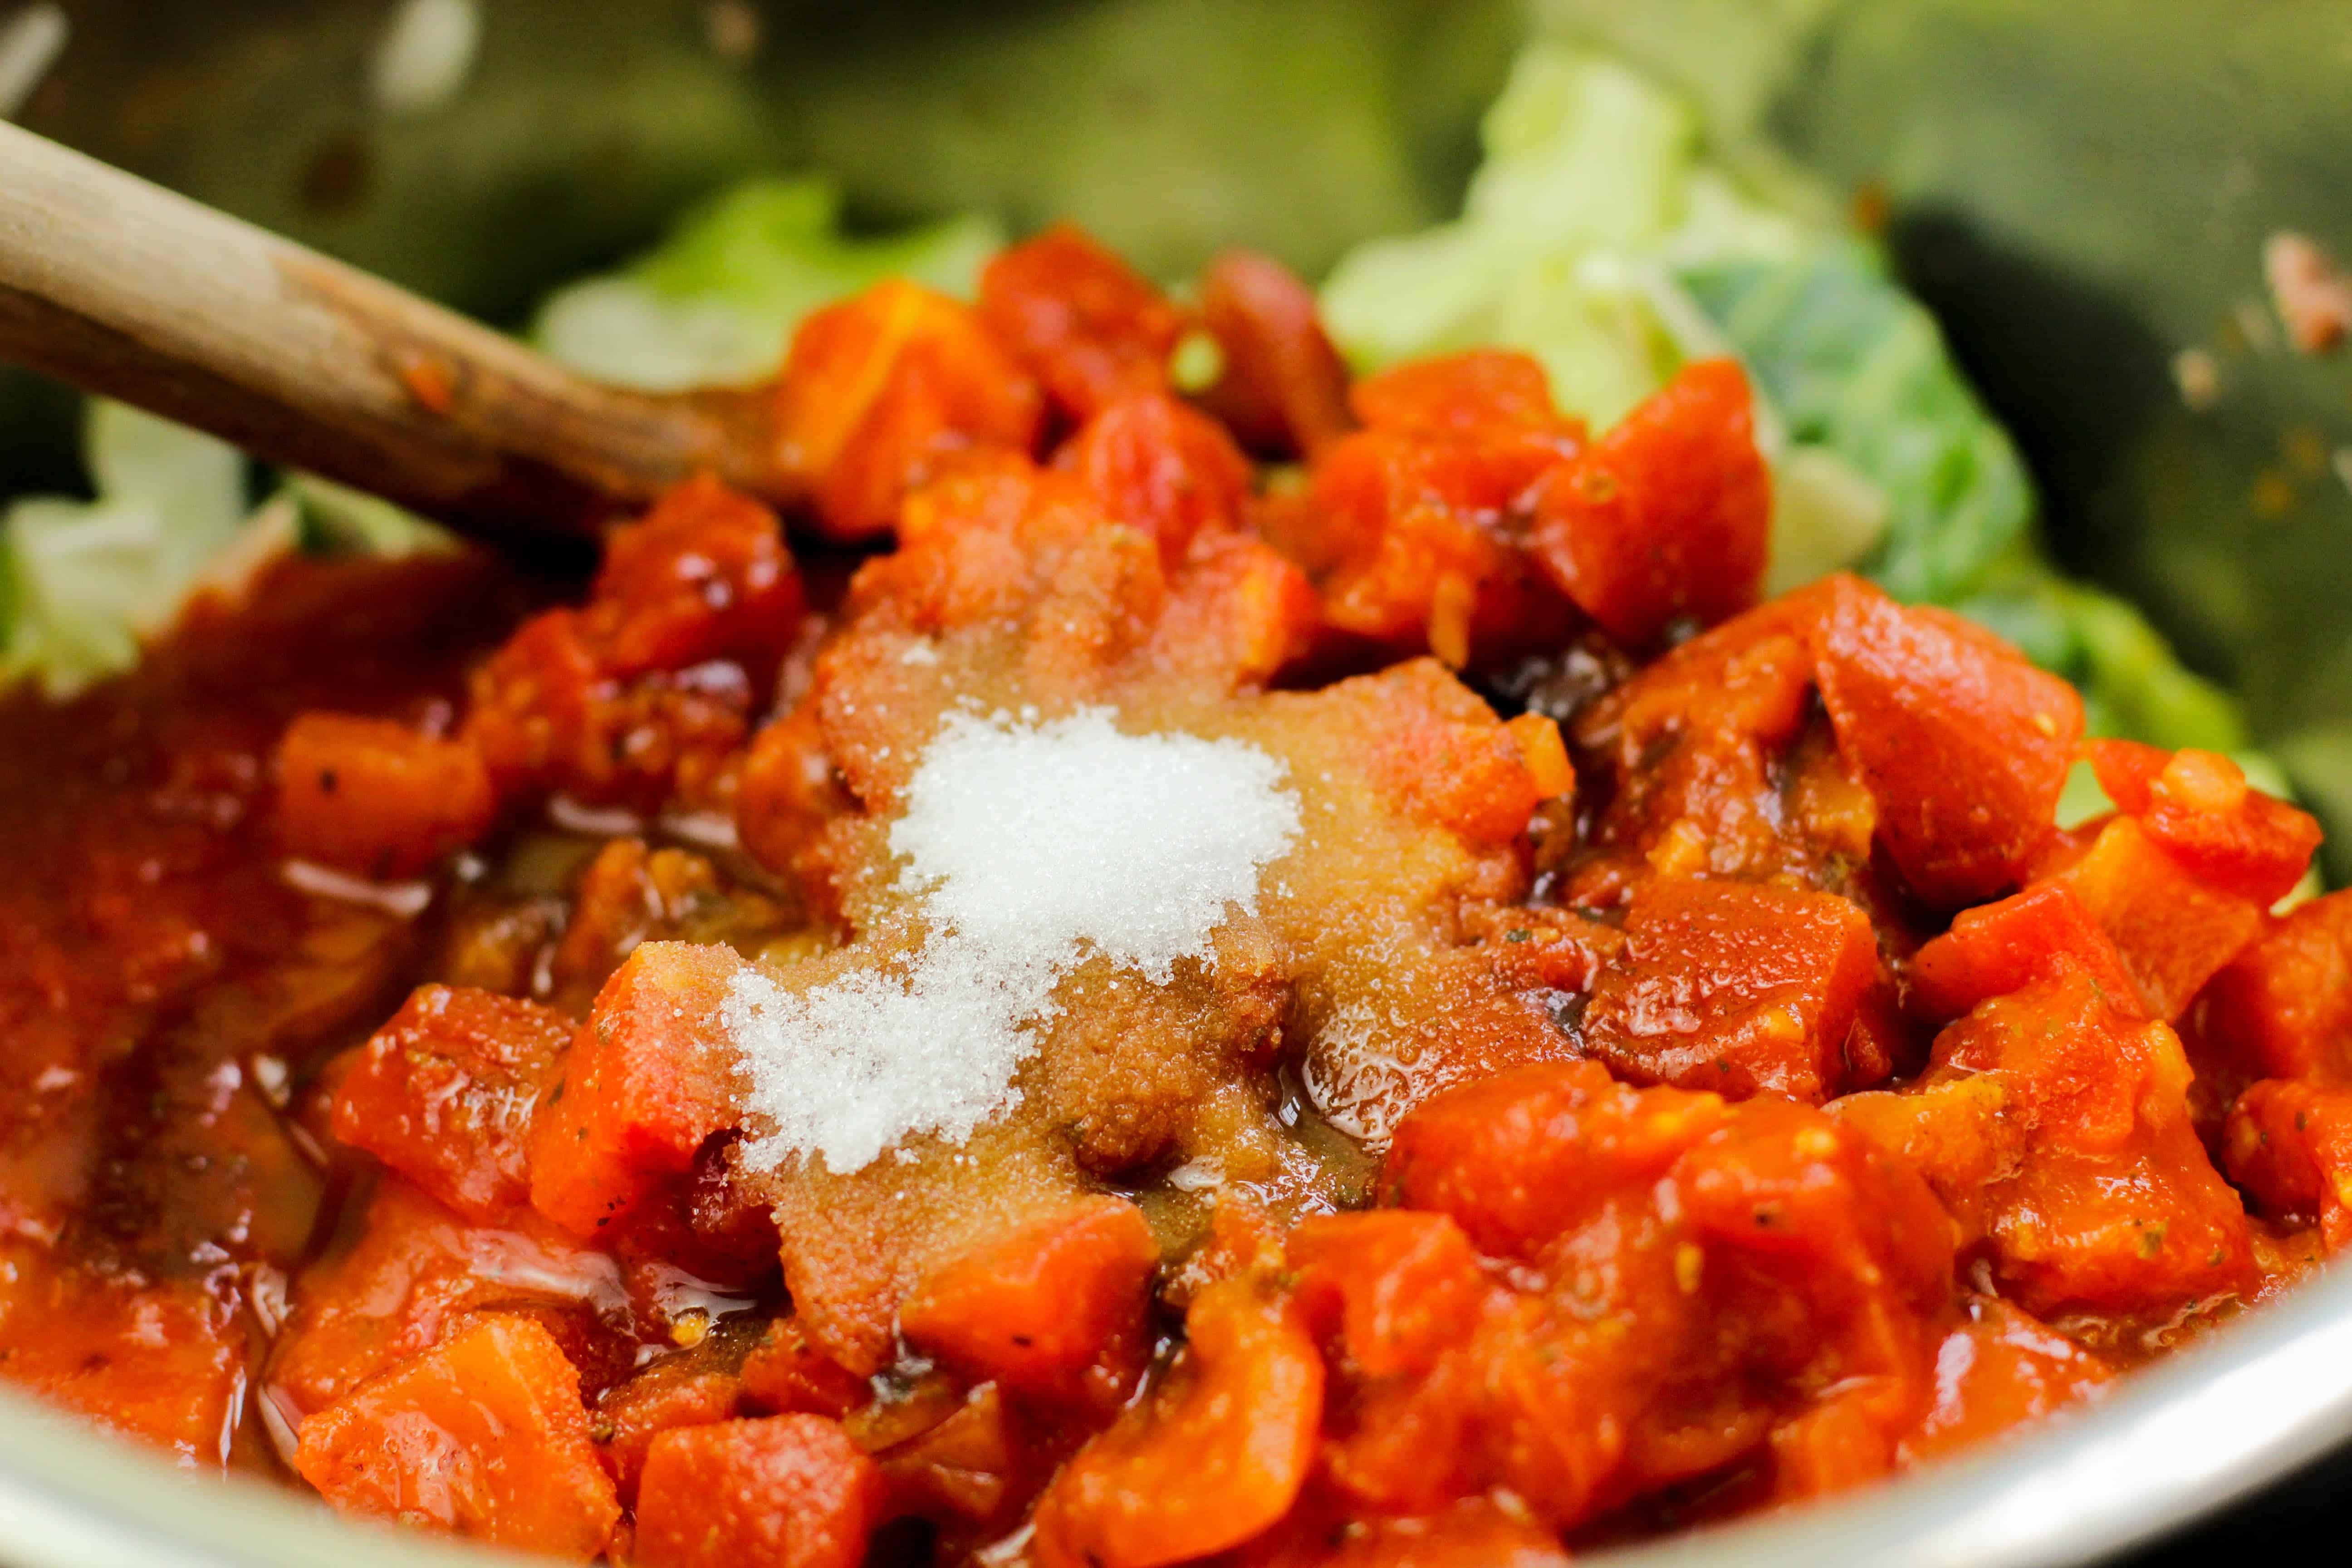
(1790, 1101)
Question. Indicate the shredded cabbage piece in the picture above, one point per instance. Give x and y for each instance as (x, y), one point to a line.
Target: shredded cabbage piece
(84, 583)
(1599, 237)
(716, 301)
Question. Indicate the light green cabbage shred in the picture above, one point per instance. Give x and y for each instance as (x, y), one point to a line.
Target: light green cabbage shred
(716, 301)
(1598, 238)
(83, 582)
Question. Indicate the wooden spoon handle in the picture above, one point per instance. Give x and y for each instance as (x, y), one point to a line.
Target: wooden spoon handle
(125, 288)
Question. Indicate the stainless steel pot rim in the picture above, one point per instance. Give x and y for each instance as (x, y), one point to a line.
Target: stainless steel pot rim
(2249, 1404)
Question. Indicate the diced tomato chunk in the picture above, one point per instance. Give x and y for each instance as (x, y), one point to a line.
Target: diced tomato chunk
(376, 798)
(2283, 1007)
(1281, 389)
(785, 1375)
(1460, 395)
(2289, 1146)
(2106, 1200)
(1476, 1532)
(1962, 743)
(879, 388)
(2173, 931)
(1410, 525)
(1693, 745)
(2199, 808)
(1545, 753)
(1247, 614)
(482, 1435)
(1211, 1459)
(1997, 1370)
(546, 716)
(647, 1079)
(1668, 515)
(531, 701)
(1054, 1310)
(1818, 1206)
(643, 694)
(1406, 538)
(969, 1468)
(1450, 763)
(1083, 321)
(787, 790)
(1517, 1158)
(1762, 1252)
(1406, 1284)
(161, 1361)
(704, 574)
(443, 1093)
(412, 1268)
(1154, 464)
(683, 1389)
(1735, 987)
(777, 1491)
(1998, 947)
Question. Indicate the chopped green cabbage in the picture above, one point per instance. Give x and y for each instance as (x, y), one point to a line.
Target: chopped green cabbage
(82, 582)
(1598, 238)
(716, 301)
(337, 519)
(1854, 366)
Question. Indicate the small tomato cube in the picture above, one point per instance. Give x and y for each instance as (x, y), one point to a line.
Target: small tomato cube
(2173, 929)
(1520, 1157)
(648, 1078)
(1820, 1206)
(533, 702)
(1406, 1284)
(1997, 1370)
(163, 1361)
(1668, 515)
(879, 387)
(1053, 1310)
(784, 1374)
(2283, 1007)
(1213, 1458)
(1458, 395)
(704, 574)
(1735, 987)
(2199, 807)
(683, 1389)
(1085, 324)
(1448, 762)
(1998, 947)
(393, 1283)
(376, 798)
(2107, 1200)
(2289, 1146)
(777, 1491)
(444, 1094)
(1962, 743)
(1281, 389)
(1154, 464)
(483, 1436)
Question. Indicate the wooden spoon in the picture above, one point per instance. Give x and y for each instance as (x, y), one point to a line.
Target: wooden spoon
(123, 287)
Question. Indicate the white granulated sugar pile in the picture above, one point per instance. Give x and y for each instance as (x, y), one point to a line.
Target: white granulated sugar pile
(1026, 846)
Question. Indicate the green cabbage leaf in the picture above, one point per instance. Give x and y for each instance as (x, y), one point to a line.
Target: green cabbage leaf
(716, 301)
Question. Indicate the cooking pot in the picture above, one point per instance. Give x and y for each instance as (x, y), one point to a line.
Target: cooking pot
(2081, 192)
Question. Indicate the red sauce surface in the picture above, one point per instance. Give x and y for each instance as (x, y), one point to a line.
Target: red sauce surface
(1785, 1100)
